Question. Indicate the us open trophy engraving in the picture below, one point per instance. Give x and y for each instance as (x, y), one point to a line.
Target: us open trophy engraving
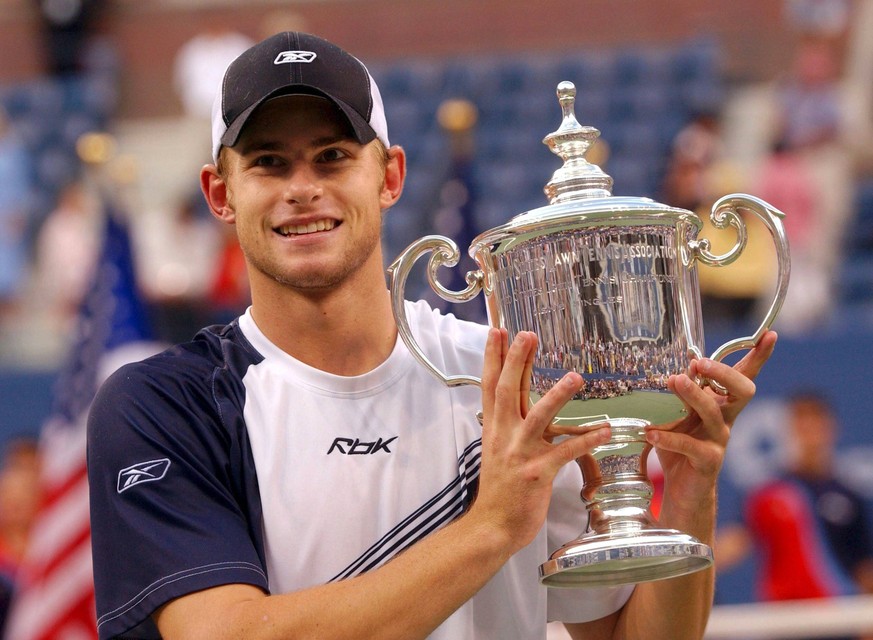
(609, 284)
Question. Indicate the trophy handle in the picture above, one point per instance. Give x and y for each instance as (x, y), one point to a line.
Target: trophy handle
(445, 253)
(725, 213)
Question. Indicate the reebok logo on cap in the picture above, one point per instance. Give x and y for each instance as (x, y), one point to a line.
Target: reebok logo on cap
(295, 56)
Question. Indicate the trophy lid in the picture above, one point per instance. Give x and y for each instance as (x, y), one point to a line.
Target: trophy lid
(579, 192)
(577, 178)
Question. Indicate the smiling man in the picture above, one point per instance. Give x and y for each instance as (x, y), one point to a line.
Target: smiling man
(315, 481)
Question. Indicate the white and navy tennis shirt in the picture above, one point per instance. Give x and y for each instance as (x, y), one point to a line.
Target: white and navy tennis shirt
(225, 460)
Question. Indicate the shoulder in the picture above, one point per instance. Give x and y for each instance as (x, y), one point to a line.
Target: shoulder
(779, 497)
(219, 347)
(453, 345)
(184, 381)
(445, 327)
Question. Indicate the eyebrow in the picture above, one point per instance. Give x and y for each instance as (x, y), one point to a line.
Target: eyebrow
(275, 145)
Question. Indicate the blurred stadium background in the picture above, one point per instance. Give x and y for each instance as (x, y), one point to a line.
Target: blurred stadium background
(644, 71)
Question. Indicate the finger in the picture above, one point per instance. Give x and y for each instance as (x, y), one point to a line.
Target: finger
(702, 455)
(510, 379)
(541, 415)
(704, 404)
(577, 447)
(738, 385)
(671, 385)
(560, 430)
(491, 370)
(527, 374)
(752, 363)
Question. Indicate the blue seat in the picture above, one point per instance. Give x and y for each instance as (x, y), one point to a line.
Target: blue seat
(860, 241)
(856, 280)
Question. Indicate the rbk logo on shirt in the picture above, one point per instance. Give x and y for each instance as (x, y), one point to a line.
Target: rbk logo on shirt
(354, 447)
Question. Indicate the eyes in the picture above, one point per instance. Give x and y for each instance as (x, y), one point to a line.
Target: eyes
(327, 157)
(333, 154)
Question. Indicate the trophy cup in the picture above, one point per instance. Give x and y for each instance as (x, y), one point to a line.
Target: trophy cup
(609, 286)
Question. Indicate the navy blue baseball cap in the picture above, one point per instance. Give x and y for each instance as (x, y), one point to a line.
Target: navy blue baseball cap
(291, 63)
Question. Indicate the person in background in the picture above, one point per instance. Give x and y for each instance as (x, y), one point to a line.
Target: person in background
(67, 246)
(199, 66)
(809, 529)
(16, 182)
(67, 30)
(19, 502)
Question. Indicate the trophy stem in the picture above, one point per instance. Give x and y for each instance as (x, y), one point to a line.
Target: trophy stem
(623, 544)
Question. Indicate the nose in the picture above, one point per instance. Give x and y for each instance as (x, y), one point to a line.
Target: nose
(303, 186)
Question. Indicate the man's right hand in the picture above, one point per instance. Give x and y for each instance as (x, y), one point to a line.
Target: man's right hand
(519, 459)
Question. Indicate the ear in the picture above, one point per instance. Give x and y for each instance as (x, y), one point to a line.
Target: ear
(395, 176)
(214, 190)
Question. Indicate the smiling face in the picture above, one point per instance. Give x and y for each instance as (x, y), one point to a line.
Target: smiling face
(305, 197)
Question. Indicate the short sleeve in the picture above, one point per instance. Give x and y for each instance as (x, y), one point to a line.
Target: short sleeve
(172, 509)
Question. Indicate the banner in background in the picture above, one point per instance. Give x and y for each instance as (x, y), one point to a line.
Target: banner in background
(54, 595)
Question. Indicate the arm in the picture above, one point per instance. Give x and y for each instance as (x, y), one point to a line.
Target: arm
(414, 593)
(691, 452)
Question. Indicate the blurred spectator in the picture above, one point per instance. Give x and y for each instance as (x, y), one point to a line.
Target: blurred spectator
(67, 26)
(66, 251)
(19, 502)
(731, 295)
(696, 149)
(19, 498)
(180, 259)
(200, 64)
(697, 175)
(809, 176)
(809, 103)
(819, 17)
(809, 529)
(198, 69)
(785, 181)
(15, 192)
(229, 293)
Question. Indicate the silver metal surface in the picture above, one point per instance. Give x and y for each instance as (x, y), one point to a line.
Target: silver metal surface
(623, 544)
(600, 561)
(609, 284)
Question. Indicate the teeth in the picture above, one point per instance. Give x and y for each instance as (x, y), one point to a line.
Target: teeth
(302, 229)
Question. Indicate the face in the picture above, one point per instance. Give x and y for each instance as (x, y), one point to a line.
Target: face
(305, 197)
(813, 435)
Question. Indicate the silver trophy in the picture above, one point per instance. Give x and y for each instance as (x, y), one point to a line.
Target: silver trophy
(609, 286)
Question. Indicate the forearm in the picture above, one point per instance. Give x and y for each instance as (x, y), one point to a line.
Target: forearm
(676, 608)
(407, 598)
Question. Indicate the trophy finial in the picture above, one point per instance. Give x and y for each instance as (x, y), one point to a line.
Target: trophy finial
(577, 178)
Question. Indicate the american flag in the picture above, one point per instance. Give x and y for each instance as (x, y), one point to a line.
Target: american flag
(54, 597)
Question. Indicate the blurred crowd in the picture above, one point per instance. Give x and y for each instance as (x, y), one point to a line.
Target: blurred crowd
(811, 162)
(191, 269)
(192, 272)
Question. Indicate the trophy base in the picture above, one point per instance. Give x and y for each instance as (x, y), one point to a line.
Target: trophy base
(611, 559)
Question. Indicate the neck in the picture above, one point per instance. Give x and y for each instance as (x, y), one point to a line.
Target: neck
(347, 331)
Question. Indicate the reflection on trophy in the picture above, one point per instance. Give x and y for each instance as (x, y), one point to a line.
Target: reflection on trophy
(609, 285)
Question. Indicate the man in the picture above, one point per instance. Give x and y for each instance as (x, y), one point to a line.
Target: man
(296, 474)
(811, 530)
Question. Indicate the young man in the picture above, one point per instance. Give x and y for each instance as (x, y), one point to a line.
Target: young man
(296, 474)
(809, 529)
